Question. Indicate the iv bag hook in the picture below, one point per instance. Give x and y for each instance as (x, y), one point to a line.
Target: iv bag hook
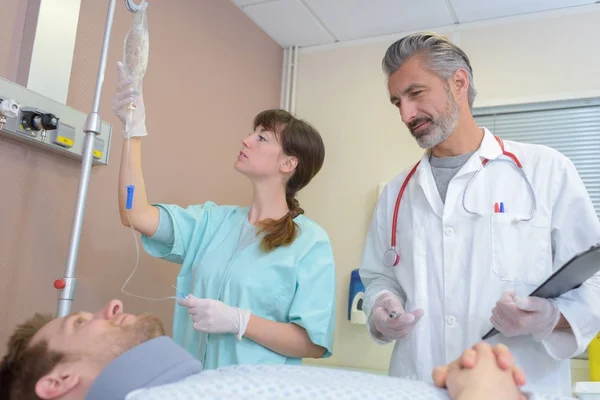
(131, 6)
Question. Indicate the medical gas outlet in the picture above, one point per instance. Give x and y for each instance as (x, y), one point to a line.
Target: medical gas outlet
(34, 120)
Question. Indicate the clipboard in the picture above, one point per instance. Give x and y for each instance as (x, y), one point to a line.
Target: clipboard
(570, 276)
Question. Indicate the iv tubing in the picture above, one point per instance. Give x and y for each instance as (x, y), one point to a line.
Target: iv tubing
(135, 238)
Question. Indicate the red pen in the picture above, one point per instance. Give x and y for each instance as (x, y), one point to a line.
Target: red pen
(496, 208)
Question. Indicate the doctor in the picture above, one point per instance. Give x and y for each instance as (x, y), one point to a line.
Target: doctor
(465, 255)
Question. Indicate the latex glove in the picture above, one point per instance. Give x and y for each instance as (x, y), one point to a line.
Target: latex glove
(393, 328)
(514, 316)
(125, 95)
(214, 316)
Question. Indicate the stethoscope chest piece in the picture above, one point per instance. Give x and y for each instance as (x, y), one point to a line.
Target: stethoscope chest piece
(391, 258)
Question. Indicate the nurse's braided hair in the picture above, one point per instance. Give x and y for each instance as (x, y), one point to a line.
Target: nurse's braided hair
(301, 140)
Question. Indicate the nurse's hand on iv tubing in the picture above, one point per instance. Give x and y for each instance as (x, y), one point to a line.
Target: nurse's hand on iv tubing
(393, 328)
(214, 316)
(533, 316)
(123, 97)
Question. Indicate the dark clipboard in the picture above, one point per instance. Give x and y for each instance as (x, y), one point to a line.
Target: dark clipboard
(570, 276)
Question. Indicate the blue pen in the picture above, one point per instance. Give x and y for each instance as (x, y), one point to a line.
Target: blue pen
(501, 207)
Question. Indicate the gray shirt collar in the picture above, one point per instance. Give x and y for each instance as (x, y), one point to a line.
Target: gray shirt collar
(158, 361)
(450, 162)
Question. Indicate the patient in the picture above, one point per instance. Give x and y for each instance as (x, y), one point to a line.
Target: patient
(114, 355)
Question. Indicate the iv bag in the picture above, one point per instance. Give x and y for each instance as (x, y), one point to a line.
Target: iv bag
(137, 46)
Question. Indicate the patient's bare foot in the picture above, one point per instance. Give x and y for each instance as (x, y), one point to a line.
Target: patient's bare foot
(485, 380)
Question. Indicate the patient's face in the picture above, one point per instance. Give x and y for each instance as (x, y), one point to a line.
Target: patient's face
(102, 336)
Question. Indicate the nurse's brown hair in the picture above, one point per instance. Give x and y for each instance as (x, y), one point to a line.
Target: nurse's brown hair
(302, 141)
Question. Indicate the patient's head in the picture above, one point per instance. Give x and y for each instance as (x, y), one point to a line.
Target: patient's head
(60, 358)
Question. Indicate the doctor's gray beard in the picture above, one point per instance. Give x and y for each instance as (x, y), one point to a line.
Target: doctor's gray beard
(441, 128)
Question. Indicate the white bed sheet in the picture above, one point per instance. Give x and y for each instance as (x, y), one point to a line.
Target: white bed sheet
(287, 382)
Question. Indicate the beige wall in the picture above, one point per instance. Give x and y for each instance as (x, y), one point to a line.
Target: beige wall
(342, 90)
(11, 36)
(210, 71)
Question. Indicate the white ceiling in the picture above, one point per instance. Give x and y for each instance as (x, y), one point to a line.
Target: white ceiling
(315, 22)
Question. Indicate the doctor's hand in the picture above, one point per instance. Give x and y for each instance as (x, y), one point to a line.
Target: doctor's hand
(125, 95)
(214, 316)
(514, 316)
(393, 328)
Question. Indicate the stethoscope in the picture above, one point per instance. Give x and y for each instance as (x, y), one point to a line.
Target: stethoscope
(391, 257)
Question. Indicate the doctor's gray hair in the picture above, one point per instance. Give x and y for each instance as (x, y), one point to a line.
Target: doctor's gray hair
(442, 56)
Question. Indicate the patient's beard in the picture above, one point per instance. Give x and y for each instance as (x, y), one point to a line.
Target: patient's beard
(146, 327)
(118, 341)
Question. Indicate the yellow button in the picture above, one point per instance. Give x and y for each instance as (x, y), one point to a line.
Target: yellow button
(65, 141)
(97, 154)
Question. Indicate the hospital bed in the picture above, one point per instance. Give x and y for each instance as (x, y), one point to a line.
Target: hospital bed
(291, 382)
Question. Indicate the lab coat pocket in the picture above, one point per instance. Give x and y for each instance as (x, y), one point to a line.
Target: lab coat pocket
(521, 250)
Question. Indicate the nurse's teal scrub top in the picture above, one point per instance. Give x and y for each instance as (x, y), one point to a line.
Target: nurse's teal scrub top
(221, 259)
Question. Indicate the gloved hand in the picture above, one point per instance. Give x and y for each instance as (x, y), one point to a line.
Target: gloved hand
(393, 328)
(214, 316)
(125, 95)
(514, 316)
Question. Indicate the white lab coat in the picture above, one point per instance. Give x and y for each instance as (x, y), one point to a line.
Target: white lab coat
(455, 266)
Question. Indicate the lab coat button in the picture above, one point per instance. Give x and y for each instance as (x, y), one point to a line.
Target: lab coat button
(448, 231)
(450, 320)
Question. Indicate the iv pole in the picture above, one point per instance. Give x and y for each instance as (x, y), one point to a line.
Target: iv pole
(91, 128)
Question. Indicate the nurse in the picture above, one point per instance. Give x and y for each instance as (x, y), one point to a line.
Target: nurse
(260, 279)
(472, 237)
